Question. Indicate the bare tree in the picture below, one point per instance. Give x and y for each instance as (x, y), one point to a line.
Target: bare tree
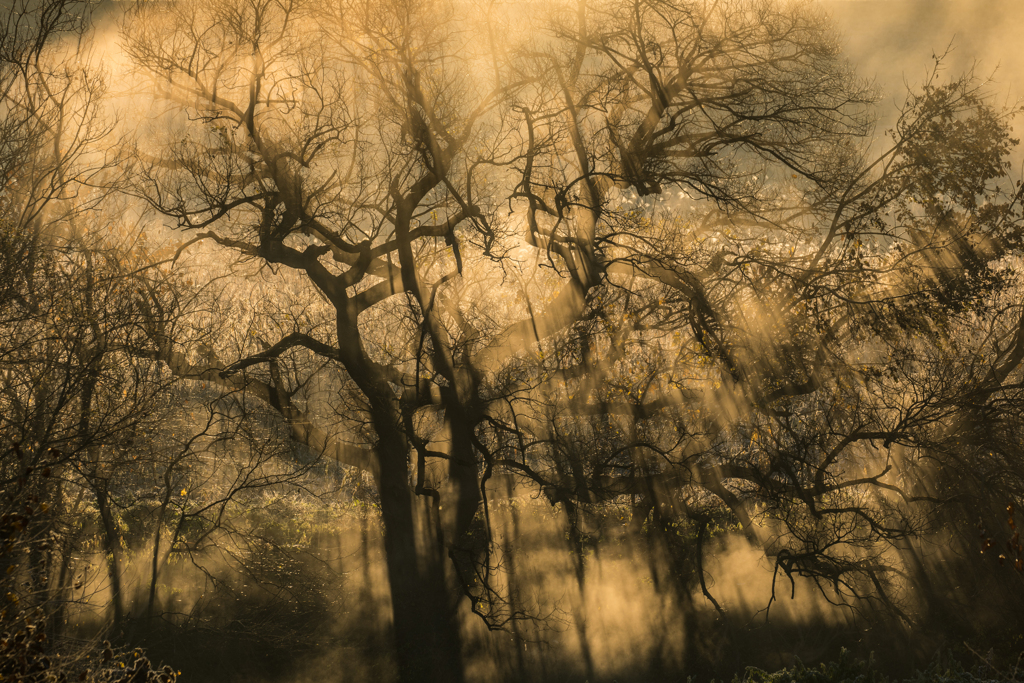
(634, 249)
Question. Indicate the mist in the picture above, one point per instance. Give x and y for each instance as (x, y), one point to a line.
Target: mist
(893, 42)
(499, 342)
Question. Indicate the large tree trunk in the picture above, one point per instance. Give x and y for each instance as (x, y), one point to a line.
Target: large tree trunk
(424, 606)
(426, 627)
(112, 549)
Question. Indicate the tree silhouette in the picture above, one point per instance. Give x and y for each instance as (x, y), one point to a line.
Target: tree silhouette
(631, 249)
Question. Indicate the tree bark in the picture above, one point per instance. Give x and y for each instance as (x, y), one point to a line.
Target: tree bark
(426, 627)
(112, 549)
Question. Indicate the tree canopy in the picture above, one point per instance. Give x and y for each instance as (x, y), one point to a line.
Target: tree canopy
(639, 255)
